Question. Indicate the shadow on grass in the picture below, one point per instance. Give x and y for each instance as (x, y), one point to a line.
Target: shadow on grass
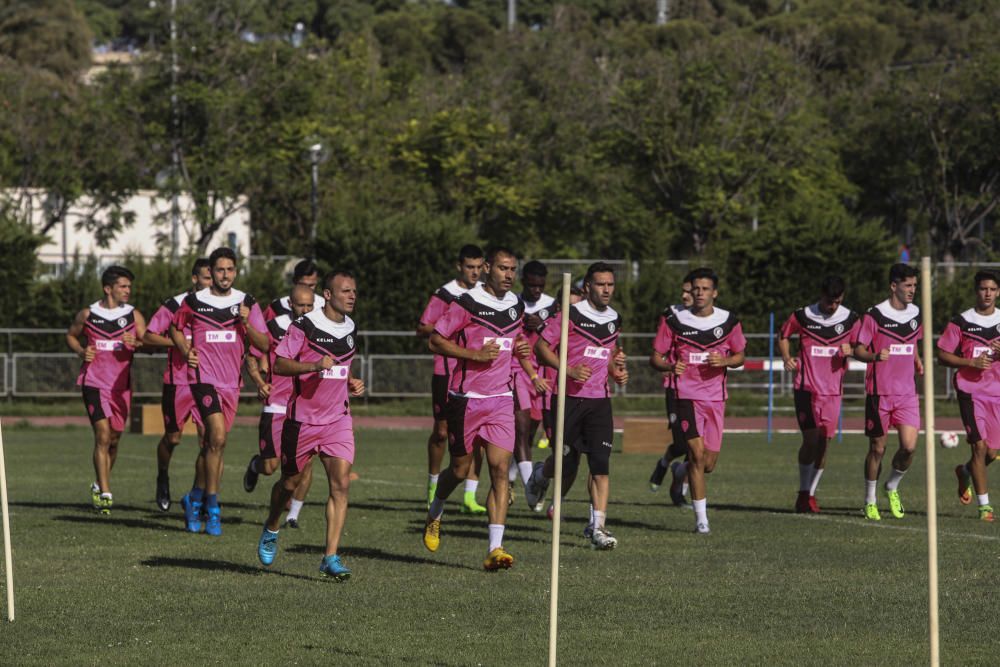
(220, 565)
(377, 554)
(115, 519)
(83, 507)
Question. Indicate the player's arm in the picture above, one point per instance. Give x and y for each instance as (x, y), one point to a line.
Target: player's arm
(75, 332)
(541, 384)
(734, 360)
(286, 366)
(252, 319)
(548, 357)
(355, 385)
(425, 330)
(862, 353)
(785, 348)
(257, 375)
(438, 344)
(152, 339)
(135, 340)
(617, 368)
(659, 362)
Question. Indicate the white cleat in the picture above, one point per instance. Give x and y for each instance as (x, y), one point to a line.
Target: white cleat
(603, 540)
(702, 528)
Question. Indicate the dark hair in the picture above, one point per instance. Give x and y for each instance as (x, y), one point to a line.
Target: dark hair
(984, 275)
(832, 286)
(900, 272)
(469, 251)
(306, 267)
(534, 268)
(331, 275)
(113, 273)
(597, 267)
(688, 277)
(221, 253)
(705, 273)
(491, 253)
(199, 264)
(573, 290)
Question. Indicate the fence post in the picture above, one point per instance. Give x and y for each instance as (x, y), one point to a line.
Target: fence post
(770, 379)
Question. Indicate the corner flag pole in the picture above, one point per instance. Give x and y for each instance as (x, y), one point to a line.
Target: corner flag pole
(932, 560)
(8, 556)
(557, 452)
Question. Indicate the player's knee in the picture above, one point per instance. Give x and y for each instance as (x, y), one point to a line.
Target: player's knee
(441, 432)
(270, 465)
(340, 485)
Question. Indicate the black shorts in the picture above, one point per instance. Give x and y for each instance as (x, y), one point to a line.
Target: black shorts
(590, 430)
(967, 410)
(804, 410)
(206, 398)
(680, 440)
(265, 432)
(439, 396)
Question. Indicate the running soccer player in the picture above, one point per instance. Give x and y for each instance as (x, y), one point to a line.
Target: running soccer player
(468, 269)
(827, 331)
(551, 375)
(113, 330)
(275, 391)
(698, 345)
(176, 402)
(592, 357)
(220, 319)
(317, 351)
(530, 385)
(305, 273)
(676, 447)
(481, 329)
(888, 342)
(971, 343)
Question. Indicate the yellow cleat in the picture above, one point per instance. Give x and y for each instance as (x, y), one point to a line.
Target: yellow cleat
(986, 513)
(432, 535)
(871, 512)
(498, 560)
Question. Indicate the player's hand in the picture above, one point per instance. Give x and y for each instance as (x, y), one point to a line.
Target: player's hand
(791, 364)
(263, 391)
(919, 365)
(995, 348)
(325, 363)
(716, 360)
(619, 359)
(356, 386)
(982, 362)
(580, 372)
(521, 347)
(883, 355)
(620, 375)
(192, 357)
(88, 353)
(532, 322)
(487, 352)
(244, 313)
(679, 368)
(846, 350)
(541, 385)
(129, 340)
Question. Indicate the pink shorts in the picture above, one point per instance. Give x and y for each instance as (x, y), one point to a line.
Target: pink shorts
(107, 404)
(981, 418)
(269, 434)
(885, 412)
(210, 399)
(490, 420)
(177, 404)
(702, 419)
(525, 396)
(816, 412)
(300, 442)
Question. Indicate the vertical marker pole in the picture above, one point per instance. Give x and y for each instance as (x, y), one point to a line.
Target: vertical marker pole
(770, 380)
(932, 560)
(8, 556)
(557, 452)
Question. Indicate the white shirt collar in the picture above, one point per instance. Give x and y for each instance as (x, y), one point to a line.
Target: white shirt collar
(335, 329)
(591, 313)
(982, 320)
(283, 321)
(453, 288)
(480, 295)
(816, 315)
(234, 298)
(901, 316)
(718, 317)
(113, 313)
(544, 301)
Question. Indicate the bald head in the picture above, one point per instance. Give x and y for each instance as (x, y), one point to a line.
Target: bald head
(301, 300)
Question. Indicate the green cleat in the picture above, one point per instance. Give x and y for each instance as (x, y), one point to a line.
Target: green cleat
(432, 488)
(895, 504)
(95, 496)
(871, 512)
(470, 506)
(106, 504)
(986, 513)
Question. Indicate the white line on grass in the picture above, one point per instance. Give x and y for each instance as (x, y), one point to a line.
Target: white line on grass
(883, 526)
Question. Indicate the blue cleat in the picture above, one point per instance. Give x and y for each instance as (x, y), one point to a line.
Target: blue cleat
(213, 526)
(267, 547)
(192, 514)
(332, 567)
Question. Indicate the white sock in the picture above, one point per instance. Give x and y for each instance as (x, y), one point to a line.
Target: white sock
(700, 510)
(106, 495)
(437, 508)
(525, 467)
(471, 485)
(496, 535)
(432, 478)
(893, 482)
(599, 518)
(293, 511)
(512, 470)
(817, 473)
(984, 498)
(805, 476)
(871, 486)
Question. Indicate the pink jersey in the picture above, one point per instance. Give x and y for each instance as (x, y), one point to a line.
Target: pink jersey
(177, 368)
(472, 320)
(593, 337)
(822, 365)
(281, 385)
(544, 308)
(282, 306)
(683, 336)
(112, 362)
(970, 335)
(218, 334)
(899, 331)
(436, 307)
(320, 397)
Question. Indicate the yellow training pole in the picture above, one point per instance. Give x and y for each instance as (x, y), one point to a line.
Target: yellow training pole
(932, 560)
(557, 452)
(8, 556)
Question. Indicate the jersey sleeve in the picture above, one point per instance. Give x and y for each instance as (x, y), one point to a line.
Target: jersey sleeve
(182, 318)
(256, 319)
(454, 320)
(664, 340)
(160, 323)
(293, 342)
(950, 339)
(435, 309)
(552, 331)
(737, 341)
(790, 327)
(866, 331)
(855, 331)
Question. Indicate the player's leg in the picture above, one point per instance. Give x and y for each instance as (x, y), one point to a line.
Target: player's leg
(598, 437)
(669, 454)
(437, 441)
(876, 426)
(524, 432)
(266, 461)
(461, 425)
(901, 462)
(102, 465)
(498, 460)
(299, 497)
(469, 503)
(281, 491)
(338, 472)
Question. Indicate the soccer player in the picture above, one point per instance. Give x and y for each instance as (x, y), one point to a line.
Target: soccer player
(221, 320)
(530, 385)
(552, 375)
(113, 330)
(177, 402)
(827, 331)
(481, 329)
(317, 351)
(468, 269)
(676, 447)
(275, 391)
(698, 345)
(305, 273)
(592, 355)
(888, 342)
(971, 343)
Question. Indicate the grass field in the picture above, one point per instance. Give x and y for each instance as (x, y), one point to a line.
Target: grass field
(766, 587)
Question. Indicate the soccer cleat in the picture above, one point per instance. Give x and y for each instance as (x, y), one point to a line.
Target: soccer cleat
(510, 494)
(677, 488)
(213, 526)
(813, 505)
(701, 528)
(543, 442)
(802, 503)
(432, 488)
(538, 484)
(95, 496)
(163, 492)
(656, 479)
(871, 512)
(498, 559)
(539, 506)
(470, 506)
(432, 534)
(291, 523)
(267, 546)
(550, 512)
(986, 513)
(895, 504)
(964, 485)
(604, 541)
(588, 530)
(251, 476)
(192, 514)
(106, 504)
(332, 567)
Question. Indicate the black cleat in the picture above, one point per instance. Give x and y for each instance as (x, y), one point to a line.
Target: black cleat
(250, 477)
(163, 493)
(291, 523)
